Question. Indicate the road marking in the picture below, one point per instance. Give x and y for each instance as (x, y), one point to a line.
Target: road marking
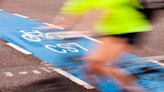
(23, 73)
(51, 25)
(73, 78)
(9, 74)
(153, 59)
(45, 69)
(20, 15)
(158, 58)
(92, 39)
(48, 24)
(157, 62)
(70, 76)
(19, 48)
(36, 71)
(45, 64)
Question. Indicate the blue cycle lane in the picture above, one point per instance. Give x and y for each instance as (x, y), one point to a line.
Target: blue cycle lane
(22, 32)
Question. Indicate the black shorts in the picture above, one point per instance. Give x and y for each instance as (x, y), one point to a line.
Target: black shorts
(132, 38)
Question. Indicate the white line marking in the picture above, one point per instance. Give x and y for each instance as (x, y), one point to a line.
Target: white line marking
(36, 71)
(45, 69)
(92, 39)
(19, 48)
(51, 68)
(55, 26)
(1, 9)
(73, 78)
(48, 24)
(23, 72)
(153, 59)
(45, 64)
(158, 58)
(21, 15)
(8, 74)
(157, 62)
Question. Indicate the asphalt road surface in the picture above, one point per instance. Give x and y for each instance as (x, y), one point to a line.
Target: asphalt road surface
(26, 73)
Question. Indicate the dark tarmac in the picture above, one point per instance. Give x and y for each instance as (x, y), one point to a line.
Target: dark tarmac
(27, 75)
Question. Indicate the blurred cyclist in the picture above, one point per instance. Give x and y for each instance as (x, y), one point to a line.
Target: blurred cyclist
(119, 26)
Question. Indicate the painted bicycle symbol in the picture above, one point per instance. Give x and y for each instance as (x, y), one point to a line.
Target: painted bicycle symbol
(37, 36)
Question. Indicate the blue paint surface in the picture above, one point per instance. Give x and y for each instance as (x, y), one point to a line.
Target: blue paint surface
(59, 51)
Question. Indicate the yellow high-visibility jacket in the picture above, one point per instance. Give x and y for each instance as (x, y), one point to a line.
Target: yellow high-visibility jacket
(122, 16)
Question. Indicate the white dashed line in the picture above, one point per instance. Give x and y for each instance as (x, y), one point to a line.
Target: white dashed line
(45, 69)
(50, 67)
(23, 73)
(36, 71)
(45, 64)
(8, 74)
